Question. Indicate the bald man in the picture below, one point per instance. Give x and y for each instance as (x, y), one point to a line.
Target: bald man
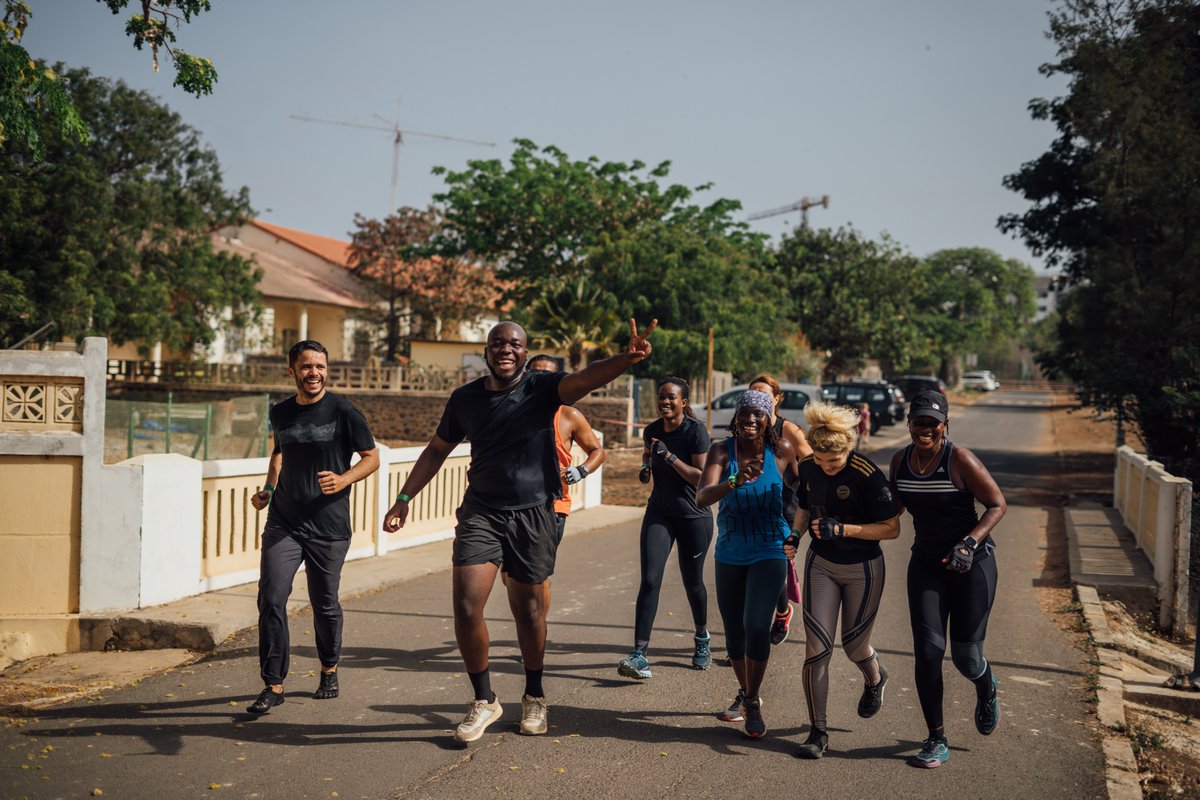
(507, 514)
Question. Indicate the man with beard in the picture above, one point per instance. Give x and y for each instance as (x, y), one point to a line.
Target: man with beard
(316, 432)
(507, 514)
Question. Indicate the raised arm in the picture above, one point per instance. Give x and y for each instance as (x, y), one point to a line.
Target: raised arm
(428, 464)
(712, 485)
(594, 375)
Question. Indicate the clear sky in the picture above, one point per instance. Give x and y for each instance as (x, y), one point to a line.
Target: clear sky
(907, 113)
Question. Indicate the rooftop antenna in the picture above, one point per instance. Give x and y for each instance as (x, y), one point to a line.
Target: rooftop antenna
(398, 134)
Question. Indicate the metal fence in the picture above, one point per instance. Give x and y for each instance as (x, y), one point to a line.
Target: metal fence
(236, 428)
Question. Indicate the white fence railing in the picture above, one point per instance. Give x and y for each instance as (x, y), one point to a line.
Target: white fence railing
(1157, 507)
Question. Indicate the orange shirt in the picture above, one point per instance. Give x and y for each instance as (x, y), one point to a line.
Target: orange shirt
(563, 505)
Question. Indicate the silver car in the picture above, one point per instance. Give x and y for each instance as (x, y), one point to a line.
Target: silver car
(795, 397)
(982, 380)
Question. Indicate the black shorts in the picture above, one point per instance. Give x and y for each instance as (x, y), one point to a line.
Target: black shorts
(524, 540)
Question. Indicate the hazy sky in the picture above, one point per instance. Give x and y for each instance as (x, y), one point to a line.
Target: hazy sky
(907, 114)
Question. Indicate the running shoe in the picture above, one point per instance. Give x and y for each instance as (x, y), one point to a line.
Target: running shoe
(756, 728)
(533, 715)
(987, 712)
(779, 628)
(480, 714)
(734, 712)
(934, 753)
(634, 665)
(702, 655)
(872, 697)
(266, 700)
(814, 746)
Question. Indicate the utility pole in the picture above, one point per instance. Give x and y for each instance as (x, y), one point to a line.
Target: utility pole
(802, 205)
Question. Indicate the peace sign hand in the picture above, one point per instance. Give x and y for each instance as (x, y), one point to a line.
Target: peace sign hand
(639, 346)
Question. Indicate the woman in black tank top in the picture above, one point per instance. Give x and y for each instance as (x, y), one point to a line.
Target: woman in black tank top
(784, 429)
(952, 571)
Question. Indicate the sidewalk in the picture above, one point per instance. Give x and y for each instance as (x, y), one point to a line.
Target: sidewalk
(150, 640)
(1107, 564)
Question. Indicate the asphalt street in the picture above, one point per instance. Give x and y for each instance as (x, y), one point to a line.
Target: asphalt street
(185, 734)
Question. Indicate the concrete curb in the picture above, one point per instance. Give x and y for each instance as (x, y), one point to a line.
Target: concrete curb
(1120, 766)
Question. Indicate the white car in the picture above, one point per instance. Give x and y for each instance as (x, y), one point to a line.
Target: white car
(795, 397)
(982, 380)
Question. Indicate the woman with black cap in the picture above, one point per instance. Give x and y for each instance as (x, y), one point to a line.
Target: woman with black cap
(952, 572)
(745, 474)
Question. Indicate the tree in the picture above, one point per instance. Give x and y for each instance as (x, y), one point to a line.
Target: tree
(1116, 203)
(855, 298)
(426, 292)
(577, 318)
(970, 298)
(113, 237)
(28, 90)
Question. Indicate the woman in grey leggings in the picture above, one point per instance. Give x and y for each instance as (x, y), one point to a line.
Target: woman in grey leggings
(846, 503)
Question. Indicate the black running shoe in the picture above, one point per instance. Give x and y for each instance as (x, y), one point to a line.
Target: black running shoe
(779, 628)
(987, 712)
(267, 699)
(327, 689)
(756, 727)
(872, 696)
(815, 746)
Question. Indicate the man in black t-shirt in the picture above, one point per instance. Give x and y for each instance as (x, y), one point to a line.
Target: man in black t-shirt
(316, 433)
(507, 513)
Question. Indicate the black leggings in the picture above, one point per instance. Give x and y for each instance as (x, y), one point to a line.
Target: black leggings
(746, 596)
(937, 595)
(659, 533)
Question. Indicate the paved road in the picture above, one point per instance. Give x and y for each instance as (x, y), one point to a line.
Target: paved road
(185, 734)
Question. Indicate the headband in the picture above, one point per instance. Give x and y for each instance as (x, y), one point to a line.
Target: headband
(759, 401)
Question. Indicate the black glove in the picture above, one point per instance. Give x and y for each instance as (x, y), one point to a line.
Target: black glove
(659, 449)
(644, 475)
(830, 528)
(962, 556)
(793, 540)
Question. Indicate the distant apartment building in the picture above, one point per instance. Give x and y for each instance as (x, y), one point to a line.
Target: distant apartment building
(1049, 288)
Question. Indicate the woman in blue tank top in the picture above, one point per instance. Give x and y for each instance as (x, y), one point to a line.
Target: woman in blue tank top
(745, 474)
(952, 571)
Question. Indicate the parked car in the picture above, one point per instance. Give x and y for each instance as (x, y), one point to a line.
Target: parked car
(912, 385)
(795, 397)
(885, 401)
(983, 380)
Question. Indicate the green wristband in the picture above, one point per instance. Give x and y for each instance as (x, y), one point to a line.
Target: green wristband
(732, 482)
(269, 487)
(404, 497)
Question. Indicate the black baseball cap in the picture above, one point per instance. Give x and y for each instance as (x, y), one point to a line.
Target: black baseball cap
(929, 404)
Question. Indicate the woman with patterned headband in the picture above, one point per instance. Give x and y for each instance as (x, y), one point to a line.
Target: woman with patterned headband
(745, 474)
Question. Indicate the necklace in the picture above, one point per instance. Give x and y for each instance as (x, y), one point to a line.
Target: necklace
(923, 468)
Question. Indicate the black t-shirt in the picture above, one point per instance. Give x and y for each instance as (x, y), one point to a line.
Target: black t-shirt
(513, 461)
(859, 494)
(315, 438)
(672, 495)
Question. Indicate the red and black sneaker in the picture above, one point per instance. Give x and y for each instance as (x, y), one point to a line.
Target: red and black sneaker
(779, 628)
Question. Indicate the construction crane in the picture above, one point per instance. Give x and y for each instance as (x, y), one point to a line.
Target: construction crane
(802, 205)
(398, 134)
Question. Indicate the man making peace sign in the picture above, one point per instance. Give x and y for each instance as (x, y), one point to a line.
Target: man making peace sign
(507, 513)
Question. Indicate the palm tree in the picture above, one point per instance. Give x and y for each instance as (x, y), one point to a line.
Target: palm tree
(574, 317)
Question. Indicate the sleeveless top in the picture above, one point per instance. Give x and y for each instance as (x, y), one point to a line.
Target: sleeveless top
(942, 513)
(790, 501)
(562, 505)
(750, 524)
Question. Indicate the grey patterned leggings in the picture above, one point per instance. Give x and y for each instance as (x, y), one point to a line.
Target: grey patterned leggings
(855, 589)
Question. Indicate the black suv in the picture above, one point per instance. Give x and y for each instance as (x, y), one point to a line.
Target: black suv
(912, 385)
(885, 401)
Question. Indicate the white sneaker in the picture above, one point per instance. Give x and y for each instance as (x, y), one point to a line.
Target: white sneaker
(480, 714)
(533, 715)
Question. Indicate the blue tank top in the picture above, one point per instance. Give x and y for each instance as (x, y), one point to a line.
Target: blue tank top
(750, 523)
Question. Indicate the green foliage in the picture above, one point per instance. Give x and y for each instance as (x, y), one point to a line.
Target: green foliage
(113, 237)
(1116, 203)
(855, 298)
(642, 246)
(193, 74)
(577, 318)
(28, 90)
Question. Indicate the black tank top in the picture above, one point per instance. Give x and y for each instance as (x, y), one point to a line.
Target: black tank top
(942, 513)
(790, 502)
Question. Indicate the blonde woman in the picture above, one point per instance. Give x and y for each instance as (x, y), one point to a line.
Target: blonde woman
(846, 503)
(784, 429)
